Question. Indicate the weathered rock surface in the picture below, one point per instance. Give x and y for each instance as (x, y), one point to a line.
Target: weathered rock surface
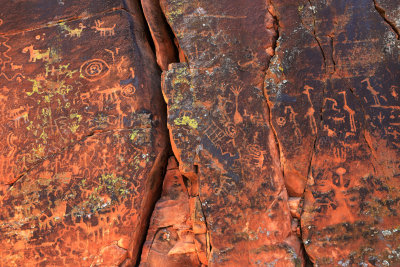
(177, 232)
(283, 118)
(83, 139)
(333, 91)
(220, 132)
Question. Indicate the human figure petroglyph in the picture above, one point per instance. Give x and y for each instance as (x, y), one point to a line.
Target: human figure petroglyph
(350, 111)
(35, 54)
(104, 30)
(292, 118)
(311, 110)
(374, 93)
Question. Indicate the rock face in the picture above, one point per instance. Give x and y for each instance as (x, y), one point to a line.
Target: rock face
(83, 138)
(283, 121)
(333, 91)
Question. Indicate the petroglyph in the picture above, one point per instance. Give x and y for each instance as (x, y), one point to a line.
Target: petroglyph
(311, 110)
(72, 32)
(104, 31)
(375, 94)
(94, 69)
(334, 103)
(281, 121)
(350, 111)
(237, 118)
(292, 118)
(19, 114)
(35, 54)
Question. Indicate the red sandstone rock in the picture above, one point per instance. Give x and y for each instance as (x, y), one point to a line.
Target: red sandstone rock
(164, 45)
(220, 132)
(175, 234)
(333, 90)
(83, 139)
(271, 134)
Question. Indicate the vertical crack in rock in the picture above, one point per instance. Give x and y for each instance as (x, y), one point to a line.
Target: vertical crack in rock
(230, 141)
(314, 32)
(270, 105)
(333, 52)
(391, 24)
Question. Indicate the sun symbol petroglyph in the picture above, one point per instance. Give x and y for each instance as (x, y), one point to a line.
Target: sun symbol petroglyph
(281, 121)
(230, 129)
(94, 69)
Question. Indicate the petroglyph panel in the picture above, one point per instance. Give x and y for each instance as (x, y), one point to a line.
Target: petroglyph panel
(84, 142)
(64, 90)
(220, 131)
(350, 153)
(33, 14)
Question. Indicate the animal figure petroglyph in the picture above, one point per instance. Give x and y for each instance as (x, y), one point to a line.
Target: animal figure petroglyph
(19, 114)
(15, 67)
(73, 32)
(374, 93)
(338, 120)
(331, 133)
(103, 30)
(35, 54)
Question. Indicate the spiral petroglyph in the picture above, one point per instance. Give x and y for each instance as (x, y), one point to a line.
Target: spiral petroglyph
(94, 69)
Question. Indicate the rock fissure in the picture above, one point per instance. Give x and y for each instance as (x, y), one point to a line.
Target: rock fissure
(314, 33)
(207, 170)
(391, 24)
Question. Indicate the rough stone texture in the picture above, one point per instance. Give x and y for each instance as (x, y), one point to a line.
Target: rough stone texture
(22, 15)
(220, 133)
(283, 118)
(176, 236)
(83, 137)
(333, 89)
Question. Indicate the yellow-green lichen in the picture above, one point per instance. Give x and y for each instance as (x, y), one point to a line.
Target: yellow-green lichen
(186, 120)
(133, 134)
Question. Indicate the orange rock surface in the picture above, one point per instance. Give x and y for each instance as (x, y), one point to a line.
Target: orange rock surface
(199, 133)
(83, 140)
